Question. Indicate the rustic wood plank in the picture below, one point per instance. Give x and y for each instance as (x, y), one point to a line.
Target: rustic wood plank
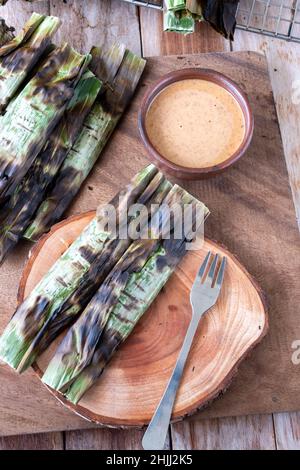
(94, 22)
(287, 430)
(156, 42)
(44, 441)
(284, 64)
(241, 433)
(106, 439)
(16, 14)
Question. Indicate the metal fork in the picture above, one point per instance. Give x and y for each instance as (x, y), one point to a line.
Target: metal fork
(204, 294)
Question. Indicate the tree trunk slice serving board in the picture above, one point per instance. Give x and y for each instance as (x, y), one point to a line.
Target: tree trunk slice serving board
(252, 214)
(132, 384)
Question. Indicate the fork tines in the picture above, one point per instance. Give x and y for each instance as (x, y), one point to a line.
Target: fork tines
(211, 270)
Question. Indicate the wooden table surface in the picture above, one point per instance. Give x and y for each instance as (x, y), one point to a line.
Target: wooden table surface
(88, 22)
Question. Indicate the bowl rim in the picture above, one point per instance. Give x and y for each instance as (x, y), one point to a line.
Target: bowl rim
(203, 74)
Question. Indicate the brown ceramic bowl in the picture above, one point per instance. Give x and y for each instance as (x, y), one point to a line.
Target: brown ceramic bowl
(204, 74)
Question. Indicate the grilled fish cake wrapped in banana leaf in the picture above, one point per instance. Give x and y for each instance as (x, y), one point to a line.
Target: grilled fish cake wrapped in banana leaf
(77, 348)
(22, 52)
(49, 296)
(32, 116)
(120, 71)
(17, 213)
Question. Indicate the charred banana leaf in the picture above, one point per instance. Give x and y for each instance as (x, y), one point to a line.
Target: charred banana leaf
(6, 32)
(32, 116)
(180, 15)
(19, 56)
(93, 278)
(135, 300)
(220, 14)
(17, 214)
(175, 5)
(46, 300)
(179, 22)
(78, 347)
(141, 289)
(120, 70)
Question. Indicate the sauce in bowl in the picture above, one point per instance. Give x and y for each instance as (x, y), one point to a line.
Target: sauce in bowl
(195, 123)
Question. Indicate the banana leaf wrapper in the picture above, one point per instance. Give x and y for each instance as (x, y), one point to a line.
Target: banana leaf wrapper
(120, 71)
(179, 21)
(92, 279)
(220, 14)
(6, 32)
(17, 214)
(181, 15)
(138, 295)
(175, 5)
(141, 289)
(33, 115)
(77, 348)
(21, 54)
(112, 251)
(63, 278)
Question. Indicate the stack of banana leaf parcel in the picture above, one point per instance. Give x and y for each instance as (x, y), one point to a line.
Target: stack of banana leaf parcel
(58, 109)
(181, 16)
(103, 284)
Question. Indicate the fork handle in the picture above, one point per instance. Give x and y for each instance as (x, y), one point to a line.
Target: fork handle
(155, 435)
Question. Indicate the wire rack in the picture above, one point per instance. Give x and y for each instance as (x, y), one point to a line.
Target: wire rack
(275, 18)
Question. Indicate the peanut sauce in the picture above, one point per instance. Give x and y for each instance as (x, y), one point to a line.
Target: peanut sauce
(195, 123)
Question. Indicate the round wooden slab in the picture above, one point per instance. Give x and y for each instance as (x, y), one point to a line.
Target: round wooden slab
(131, 386)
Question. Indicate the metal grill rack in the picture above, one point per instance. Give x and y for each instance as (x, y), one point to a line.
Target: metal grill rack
(275, 18)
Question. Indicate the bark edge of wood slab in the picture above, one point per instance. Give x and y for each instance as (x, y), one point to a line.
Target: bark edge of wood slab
(128, 391)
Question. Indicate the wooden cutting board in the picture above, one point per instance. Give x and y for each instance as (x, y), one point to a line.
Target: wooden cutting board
(252, 214)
